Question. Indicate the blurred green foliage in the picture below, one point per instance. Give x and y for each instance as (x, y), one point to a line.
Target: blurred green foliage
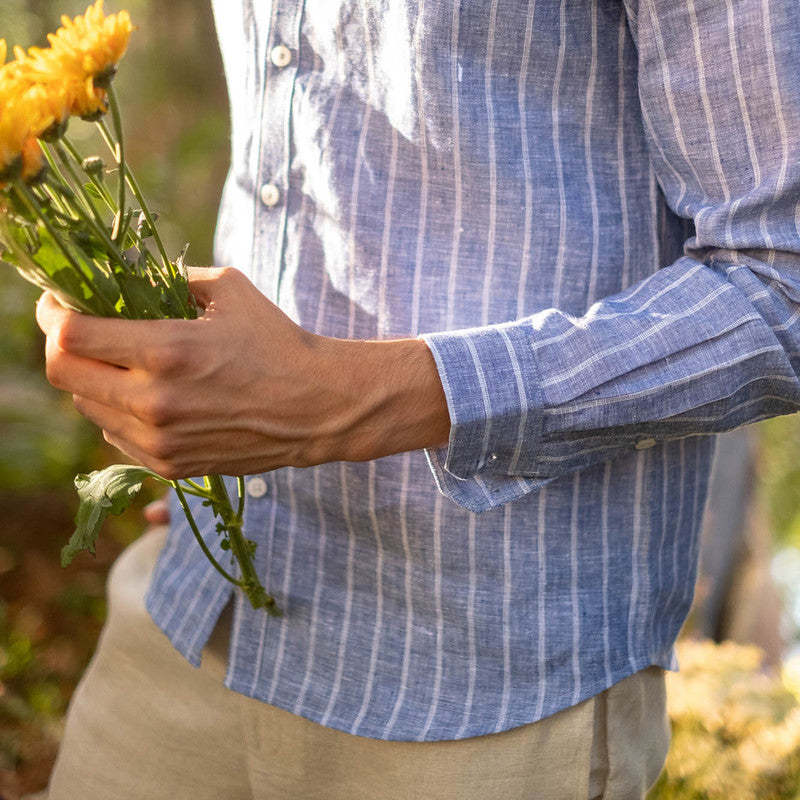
(735, 728)
(779, 474)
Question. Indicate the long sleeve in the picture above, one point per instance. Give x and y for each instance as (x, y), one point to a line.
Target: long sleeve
(705, 344)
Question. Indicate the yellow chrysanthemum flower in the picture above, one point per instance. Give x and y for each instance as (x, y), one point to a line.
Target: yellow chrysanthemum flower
(19, 121)
(34, 164)
(27, 111)
(81, 60)
(3, 51)
(90, 46)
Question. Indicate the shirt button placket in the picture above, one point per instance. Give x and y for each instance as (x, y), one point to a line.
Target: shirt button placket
(282, 58)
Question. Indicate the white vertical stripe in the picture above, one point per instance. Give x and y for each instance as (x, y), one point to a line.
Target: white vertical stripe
(664, 527)
(677, 528)
(455, 67)
(523, 403)
(378, 629)
(492, 230)
(541, 564)
(745, 115)
(383, 311)
(437, 597)
(737, 75)
(422, 219)
(506, 618)
(655, 241)
(348, 606)
(622, 36)
(291, 475)
(526, 161)
(605, 556)
(487, 402)
(574, 599)
(769, 49)
(473, 665)
(670, 98)
(555, 116)
(409, 594)
(354, 199)
(704, 98)
(171, 552)
(682, 189)
(262, 634)
(322, 303)
(223, 588)
(587, 149)
(636, 561)
(697, 512)
(319, 572)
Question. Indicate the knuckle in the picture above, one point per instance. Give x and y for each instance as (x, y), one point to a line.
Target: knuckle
(154, 409)
(227, 274)
(66, 335)
(166, 360)
(167, 468)
(160, 446)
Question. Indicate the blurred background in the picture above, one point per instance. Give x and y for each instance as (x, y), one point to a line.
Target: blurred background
(734, 706)
(176, 118)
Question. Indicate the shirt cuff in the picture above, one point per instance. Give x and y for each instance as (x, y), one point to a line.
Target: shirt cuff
(489, 376)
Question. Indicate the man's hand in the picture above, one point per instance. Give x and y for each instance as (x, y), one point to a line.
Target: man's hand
(242, 389)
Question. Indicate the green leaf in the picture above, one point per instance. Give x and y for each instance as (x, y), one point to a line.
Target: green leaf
(101, 493)
(92, 191)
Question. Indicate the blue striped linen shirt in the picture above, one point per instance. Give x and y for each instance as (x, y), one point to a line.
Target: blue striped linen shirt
(589, 209)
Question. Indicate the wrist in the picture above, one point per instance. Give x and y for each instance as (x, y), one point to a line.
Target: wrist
(385, 397)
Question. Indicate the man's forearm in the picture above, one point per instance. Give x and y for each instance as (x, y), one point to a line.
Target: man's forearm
(389, 399)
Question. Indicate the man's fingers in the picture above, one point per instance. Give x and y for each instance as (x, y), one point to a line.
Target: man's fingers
(157, 512)
(97, 380)
(150, 345)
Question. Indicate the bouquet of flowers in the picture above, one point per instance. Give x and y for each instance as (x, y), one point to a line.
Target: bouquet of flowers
(85, 233)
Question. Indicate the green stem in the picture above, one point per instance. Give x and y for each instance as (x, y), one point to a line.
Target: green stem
(241, 491)
(200, 491)
(119, 155)
(251, 584)
(193, 525)
(99, 222)
(93, 218)
(170, 274)
(137, 193)
(98, 184)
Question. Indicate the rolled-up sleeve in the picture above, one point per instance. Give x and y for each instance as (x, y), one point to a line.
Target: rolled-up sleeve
(704, 345)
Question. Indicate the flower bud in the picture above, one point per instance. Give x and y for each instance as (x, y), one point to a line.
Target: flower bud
(93, 165)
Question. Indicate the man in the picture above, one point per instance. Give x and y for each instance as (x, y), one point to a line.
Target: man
(552, 244)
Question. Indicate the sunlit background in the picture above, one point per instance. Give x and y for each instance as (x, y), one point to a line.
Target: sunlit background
(734, 707)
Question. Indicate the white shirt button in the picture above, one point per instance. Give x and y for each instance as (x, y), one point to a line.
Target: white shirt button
(256, 487)
(270, 195)
(643, 444)
(281, 56)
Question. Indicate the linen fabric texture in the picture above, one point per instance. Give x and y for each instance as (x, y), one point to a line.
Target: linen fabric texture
(589, 210)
